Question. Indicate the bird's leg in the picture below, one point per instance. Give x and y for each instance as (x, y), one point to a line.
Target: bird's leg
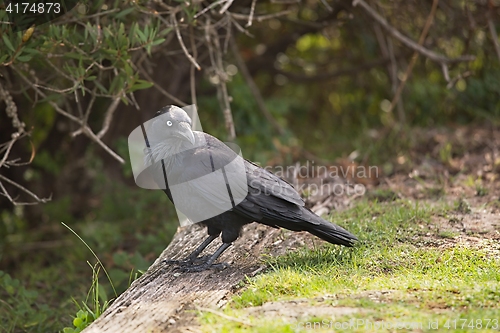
(192, 257)
(210, 262)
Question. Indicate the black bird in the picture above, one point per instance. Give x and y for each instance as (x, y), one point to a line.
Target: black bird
(180, 156)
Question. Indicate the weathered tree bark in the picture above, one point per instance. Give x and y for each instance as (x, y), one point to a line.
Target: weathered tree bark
(160, 300)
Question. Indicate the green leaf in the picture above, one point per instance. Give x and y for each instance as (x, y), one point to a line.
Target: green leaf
(165, 32)
(73, 55)
(77, 322)
(142, 36)
(124, 100)
(116, 84)
(141, 84)
(131, 33)
(31, 51)
(158, 41)
(8, 43)
(101, 87)
(128, 69)
(24, 58)
(124, 12)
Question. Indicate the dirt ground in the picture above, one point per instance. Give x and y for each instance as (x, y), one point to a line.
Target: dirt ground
(462, 167)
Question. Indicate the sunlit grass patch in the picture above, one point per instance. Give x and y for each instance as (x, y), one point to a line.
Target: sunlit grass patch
(388, 277)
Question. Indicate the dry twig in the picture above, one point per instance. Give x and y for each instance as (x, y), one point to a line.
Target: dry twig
(407, 41)
(192, 81)
(221, 78)
(252, 10)
(109, 116)
(493, 31)
(226, 6)
(25, 190)
(414, 58)
(181, 42)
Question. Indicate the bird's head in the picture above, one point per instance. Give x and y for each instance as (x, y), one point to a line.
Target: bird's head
(171, 124)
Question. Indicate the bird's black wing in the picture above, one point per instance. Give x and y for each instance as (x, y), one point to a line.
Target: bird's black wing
(256, 181)
(268, 199)
(270, 184)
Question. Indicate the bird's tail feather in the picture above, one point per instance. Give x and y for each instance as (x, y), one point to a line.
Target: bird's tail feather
(332, 233)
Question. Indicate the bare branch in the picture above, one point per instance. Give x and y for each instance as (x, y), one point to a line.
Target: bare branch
(414, 58)
(216, 60)
(90, 105)
(262, 17)
(206, 9)
(238, 26)
(192, 81)
(181, 42)
(229, 28)
(226, 6)
(446, 74)
(330, 9)
(93, 137)
(493, 32)
(407, 41)
(6, 193)
(458, 77)
(250, 17)
(109, 116)
(25, 190)
(7, 151)
(387, 48)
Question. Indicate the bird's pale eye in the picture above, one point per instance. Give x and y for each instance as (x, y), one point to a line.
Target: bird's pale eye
(169, 123)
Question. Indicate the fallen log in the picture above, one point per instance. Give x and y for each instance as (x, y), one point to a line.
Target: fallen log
(165, 299)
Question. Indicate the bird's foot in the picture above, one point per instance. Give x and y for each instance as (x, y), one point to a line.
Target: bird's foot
(187, 262)
(201, 260)
(177, 262)
(203, 267)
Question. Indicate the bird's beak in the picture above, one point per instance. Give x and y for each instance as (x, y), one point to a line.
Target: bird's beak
(186, 133)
